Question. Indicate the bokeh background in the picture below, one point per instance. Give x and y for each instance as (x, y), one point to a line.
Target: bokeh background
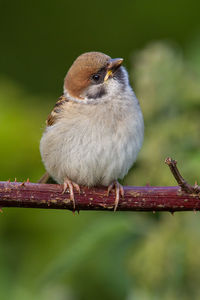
(101, 255)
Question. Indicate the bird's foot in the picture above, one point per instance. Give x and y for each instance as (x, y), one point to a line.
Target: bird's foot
(119, 191)
(68, 184)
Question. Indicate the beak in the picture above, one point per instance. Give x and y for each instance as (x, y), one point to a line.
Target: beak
(112, 67)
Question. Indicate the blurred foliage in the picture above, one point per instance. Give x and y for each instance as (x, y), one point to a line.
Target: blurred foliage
(95, 255)
(169, 91)
(40, 39)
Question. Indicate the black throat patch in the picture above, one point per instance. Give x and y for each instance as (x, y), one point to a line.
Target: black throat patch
(100, 92)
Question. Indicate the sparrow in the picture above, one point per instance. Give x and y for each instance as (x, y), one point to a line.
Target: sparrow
(95, 130)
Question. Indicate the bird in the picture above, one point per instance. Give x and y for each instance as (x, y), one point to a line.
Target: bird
(95, 131)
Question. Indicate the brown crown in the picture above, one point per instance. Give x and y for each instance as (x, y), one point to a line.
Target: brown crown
(78, 76)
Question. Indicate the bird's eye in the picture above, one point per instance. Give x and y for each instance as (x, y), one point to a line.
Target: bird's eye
(96, 77)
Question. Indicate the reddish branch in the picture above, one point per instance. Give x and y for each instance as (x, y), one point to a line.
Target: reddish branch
(185, 186)
(33, 195)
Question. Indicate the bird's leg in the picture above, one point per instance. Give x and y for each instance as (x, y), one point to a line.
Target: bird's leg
(68, 184)
(119, 191)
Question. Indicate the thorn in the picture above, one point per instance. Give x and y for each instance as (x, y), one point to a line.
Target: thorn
(28, 180)
(196, 185)
(15, 179)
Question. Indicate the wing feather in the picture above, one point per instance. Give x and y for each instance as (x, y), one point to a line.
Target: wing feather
(54, 115)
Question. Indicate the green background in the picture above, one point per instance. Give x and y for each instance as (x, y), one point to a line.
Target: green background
(101, 255)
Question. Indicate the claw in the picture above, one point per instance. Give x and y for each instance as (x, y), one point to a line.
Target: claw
(119, 191)
(68, 184)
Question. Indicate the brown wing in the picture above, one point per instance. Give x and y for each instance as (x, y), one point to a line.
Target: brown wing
(54, 115)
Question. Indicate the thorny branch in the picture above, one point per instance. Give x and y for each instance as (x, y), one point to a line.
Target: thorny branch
(148, 198)
(188, 188)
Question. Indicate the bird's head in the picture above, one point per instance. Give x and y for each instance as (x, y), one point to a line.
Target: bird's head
(94, 75)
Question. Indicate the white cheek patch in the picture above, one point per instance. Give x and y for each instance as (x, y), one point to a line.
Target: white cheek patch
(110, 89)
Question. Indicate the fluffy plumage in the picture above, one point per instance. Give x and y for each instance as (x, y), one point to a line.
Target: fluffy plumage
(95, 130)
